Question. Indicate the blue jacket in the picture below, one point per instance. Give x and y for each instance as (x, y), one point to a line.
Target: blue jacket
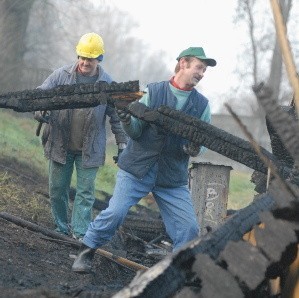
(56, 134)
(154, 146)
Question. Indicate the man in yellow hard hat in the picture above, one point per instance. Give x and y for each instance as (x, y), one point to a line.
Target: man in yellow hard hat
(77, 137)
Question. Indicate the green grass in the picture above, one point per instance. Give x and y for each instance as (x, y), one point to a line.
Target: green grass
(18, 141)
(241, 190)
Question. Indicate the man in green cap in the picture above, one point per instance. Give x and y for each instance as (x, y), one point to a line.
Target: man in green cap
(156, 162)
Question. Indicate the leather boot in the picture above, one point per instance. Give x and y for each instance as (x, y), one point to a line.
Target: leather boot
(83, 262)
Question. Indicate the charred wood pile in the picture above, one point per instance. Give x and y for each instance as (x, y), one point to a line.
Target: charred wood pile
(223, 263)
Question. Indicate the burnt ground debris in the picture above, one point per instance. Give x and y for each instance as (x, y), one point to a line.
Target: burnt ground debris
(34, 265)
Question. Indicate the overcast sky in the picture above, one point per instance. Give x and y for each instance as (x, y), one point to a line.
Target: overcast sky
(174, 25)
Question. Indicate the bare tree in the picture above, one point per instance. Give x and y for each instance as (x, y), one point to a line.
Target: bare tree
(14, 16)
(56, 26)
(264, 60)
(41, 35)
(261, 59)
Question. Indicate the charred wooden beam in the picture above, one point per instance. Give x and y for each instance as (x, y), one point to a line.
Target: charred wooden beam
(278, 147)
(202, 133)
(285, 125)
(71, 96)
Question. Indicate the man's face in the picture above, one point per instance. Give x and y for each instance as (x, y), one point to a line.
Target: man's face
(88, 66)
(193, 71)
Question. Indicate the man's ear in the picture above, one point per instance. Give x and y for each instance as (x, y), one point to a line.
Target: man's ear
(182, 63)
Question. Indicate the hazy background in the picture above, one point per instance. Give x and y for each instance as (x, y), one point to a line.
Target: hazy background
(142, 41)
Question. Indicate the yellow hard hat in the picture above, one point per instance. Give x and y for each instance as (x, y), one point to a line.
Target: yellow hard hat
(90, 45)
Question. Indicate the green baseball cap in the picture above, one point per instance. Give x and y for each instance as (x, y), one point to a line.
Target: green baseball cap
(199, 53)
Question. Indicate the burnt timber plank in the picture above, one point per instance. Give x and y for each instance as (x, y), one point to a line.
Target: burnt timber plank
(71, 96)
(214, 280)
(278, 242)
(235, 227)
(202, 133)
(245, 262)
(286, 126)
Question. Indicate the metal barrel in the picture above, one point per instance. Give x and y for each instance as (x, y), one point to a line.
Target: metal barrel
(209, 186)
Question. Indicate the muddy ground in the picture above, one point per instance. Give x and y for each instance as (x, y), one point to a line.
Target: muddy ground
(35, 265)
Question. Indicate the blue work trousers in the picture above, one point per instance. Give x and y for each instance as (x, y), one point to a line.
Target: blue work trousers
(175, 206)
(59, 185)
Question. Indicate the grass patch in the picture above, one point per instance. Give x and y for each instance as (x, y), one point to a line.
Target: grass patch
(241, 190)
(18, 141)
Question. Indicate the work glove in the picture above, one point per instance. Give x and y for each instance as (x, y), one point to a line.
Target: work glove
(124, 116)
(191, 149)
(121, 147)
(143, 112)
(41, 117)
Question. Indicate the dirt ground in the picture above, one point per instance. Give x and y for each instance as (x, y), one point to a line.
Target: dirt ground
(34, 265)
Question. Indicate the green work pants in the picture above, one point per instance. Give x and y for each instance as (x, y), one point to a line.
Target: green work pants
(60, 176)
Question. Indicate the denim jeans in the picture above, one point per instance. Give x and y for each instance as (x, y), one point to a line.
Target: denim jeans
(59, 185)
(175, 206)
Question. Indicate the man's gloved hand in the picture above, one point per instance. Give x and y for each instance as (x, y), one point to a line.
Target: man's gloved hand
(42, 117)
(121, 147)
(143, 112)
(124, 116)
(191, 149)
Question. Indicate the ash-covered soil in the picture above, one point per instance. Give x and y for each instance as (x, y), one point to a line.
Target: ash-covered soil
(35, 265)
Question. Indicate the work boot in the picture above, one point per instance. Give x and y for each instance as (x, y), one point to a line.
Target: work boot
(83, 262)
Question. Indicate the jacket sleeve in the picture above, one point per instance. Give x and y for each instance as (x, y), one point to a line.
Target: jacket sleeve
(116, 128)
(51, 81)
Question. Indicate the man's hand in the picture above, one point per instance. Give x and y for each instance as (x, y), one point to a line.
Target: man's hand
(191, 149)
(41, 117)
(124, 116)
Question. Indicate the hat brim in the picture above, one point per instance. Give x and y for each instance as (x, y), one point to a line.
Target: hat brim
(209, 61)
